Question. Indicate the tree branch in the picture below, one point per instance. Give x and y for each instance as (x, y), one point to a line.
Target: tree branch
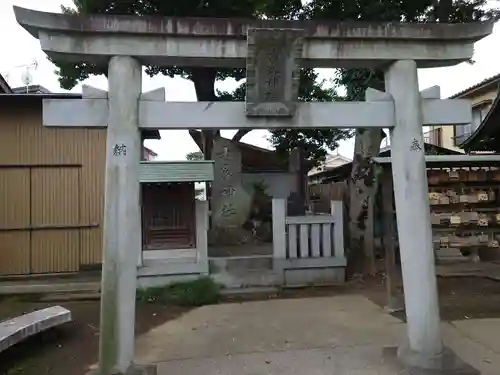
(240, 134)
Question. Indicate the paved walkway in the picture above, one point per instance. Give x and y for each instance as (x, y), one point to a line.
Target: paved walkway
(315, 336)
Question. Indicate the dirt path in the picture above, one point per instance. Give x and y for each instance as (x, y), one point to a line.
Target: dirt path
(72, 349)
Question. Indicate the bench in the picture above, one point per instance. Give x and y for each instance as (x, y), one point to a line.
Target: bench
(20, 328)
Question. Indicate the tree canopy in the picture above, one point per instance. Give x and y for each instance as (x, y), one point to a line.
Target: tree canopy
(196, 155)
(356, 81)
(315, 142)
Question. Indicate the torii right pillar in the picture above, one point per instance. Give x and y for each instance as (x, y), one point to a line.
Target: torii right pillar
(424, 347)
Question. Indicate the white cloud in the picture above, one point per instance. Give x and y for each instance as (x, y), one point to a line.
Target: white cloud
(20, 48)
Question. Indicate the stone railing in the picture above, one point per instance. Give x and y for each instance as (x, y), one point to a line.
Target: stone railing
(309, 249)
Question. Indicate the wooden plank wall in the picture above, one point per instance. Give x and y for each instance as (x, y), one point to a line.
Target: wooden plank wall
(49, 177)
(322, 194)
(169, 217)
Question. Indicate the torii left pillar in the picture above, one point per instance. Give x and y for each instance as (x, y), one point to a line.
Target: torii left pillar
(122, 229)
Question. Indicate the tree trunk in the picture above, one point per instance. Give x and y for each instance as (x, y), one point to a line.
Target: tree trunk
(204, 81)
(444, 10)
(362, 190)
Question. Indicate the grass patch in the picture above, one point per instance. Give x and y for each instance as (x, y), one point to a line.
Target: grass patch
(202, 291)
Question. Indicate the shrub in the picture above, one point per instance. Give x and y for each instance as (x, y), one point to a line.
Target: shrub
(199, 292)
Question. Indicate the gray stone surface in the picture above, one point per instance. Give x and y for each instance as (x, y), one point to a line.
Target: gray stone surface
(314, 276)
(216, 42)
(270, 326)
(486, 331)
(17, 329)
(231, 115)
(342, 335)
(230, 201)
(134, 369)
(48, 286)
(412, 210)
(273, 72)
(476, 341)
(122, 215)
(342, 360)
(448, 363)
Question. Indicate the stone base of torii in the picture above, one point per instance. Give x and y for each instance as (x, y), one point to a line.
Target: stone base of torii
(127, 43)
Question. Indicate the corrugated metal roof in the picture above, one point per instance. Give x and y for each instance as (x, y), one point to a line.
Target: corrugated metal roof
(176, 171)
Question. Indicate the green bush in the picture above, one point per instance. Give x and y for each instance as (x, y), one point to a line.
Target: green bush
(202, 291)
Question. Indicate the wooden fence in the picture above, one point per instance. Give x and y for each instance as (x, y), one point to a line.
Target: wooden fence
(321, 195)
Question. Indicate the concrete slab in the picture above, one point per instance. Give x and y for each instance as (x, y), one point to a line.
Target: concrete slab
(477, 342)
(483, 331)
(340, 335)
(345, 360)
(447, 363)
(466, 268)
(59, 285)
(270, 326)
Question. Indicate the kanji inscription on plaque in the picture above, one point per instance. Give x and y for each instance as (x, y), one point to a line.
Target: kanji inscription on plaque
(273, 72)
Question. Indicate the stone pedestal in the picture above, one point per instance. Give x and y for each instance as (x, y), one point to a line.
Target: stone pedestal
(133, 369)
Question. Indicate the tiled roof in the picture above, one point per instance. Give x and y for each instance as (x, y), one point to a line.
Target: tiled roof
(484, 138)
(485, 82)
(31, 89)
(149, 151)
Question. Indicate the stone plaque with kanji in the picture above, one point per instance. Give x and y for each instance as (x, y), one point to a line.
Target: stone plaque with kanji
(273, 71)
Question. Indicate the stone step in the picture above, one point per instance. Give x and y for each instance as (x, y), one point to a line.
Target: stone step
(69, 297)
(250, 291)
(42, 287)
(240, 264)
(246, 279)
(445, 254)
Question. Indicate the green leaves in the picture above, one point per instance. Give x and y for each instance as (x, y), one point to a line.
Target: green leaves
(197, 155)
(315, 142)
(356, 81)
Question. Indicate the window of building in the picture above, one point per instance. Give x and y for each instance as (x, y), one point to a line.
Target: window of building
(434, 137)
(479, 113)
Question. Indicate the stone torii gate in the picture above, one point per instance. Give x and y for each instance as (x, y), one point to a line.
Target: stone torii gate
(272, 52)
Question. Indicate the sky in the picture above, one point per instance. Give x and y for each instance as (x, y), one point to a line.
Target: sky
(23, 50)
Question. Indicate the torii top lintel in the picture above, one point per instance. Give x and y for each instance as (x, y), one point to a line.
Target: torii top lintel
(168, 41)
